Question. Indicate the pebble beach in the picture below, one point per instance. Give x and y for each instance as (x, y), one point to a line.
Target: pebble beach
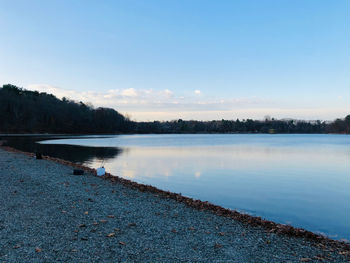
(47, 214)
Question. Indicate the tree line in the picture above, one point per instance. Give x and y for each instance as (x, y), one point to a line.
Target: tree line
(232, 126)
(24, 111)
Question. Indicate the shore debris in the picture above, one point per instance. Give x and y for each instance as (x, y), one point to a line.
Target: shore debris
(217, 245)
(305, 259)
(101, 171)
(78, 172)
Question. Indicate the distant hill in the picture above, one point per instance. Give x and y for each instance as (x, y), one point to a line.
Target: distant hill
(24, 111)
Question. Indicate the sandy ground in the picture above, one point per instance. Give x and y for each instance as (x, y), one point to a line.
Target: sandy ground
(49, 215)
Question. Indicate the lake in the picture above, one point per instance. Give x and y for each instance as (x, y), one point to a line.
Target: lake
(302, 180)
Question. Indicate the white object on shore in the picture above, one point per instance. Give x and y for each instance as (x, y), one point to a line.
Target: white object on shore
(101, 171)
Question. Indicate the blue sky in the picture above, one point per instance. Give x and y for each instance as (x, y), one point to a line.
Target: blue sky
(184, 59)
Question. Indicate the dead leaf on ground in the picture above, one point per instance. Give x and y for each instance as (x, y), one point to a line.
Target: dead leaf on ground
(305, 259)
(16, 246)
(103, 221)
(110, 216)
(111, 235)
(221, 233)
(86, 212)
(217, 245)
(122, 243)
(38, 250)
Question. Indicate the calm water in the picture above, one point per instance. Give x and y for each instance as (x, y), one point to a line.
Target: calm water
(302, 180)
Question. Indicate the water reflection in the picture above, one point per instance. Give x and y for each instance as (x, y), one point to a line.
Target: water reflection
(303, 180)
(77, 154)
(304, 186)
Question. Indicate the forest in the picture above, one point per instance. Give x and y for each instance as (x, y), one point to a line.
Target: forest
(24, 111)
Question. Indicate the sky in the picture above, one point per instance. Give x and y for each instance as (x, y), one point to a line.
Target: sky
(188, 59)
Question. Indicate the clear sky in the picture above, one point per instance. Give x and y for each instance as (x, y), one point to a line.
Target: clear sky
(190, 59)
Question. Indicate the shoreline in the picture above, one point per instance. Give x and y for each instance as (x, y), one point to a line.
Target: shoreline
(165, 133)
(254, 221)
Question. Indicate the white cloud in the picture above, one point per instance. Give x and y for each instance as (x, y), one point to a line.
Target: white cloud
(197, 92)
(128, 92)
(149, 104)
(139, 102)
(138, 99)
(168, 93)
(110, 98)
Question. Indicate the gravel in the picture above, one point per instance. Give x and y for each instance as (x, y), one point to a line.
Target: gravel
(47, 214)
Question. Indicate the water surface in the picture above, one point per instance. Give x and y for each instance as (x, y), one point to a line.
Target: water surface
(302, 180)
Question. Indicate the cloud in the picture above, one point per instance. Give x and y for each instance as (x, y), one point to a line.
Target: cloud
(146, 100)
(168, 93)
(197, 92)
(129, 92)
(149, 104)
(110, 98)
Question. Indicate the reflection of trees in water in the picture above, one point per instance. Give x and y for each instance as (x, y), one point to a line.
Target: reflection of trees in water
(73, 153)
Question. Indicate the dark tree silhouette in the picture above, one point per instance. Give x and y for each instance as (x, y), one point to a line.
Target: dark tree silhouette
(23, 111)
(340, 126)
